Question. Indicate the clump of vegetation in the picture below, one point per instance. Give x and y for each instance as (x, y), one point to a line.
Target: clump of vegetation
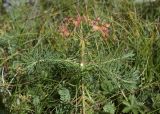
(79, 57)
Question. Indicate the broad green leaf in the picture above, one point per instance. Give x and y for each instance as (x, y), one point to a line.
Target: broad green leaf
(126, 109)
(135, 111)
(126, 103)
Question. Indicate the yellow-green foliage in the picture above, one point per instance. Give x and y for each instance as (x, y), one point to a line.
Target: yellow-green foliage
(80, 57)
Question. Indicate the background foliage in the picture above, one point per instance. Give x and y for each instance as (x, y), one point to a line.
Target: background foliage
(43, 72)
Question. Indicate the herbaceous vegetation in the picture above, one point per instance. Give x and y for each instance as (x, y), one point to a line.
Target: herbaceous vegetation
(79, 57)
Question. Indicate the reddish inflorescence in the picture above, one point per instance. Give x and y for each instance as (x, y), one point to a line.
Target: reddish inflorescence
(96, 25)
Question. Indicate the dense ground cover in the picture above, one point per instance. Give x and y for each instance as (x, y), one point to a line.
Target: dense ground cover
(80, 57)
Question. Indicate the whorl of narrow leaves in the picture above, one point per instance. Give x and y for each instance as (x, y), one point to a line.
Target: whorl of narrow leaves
(133, 105)
(53, 61)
